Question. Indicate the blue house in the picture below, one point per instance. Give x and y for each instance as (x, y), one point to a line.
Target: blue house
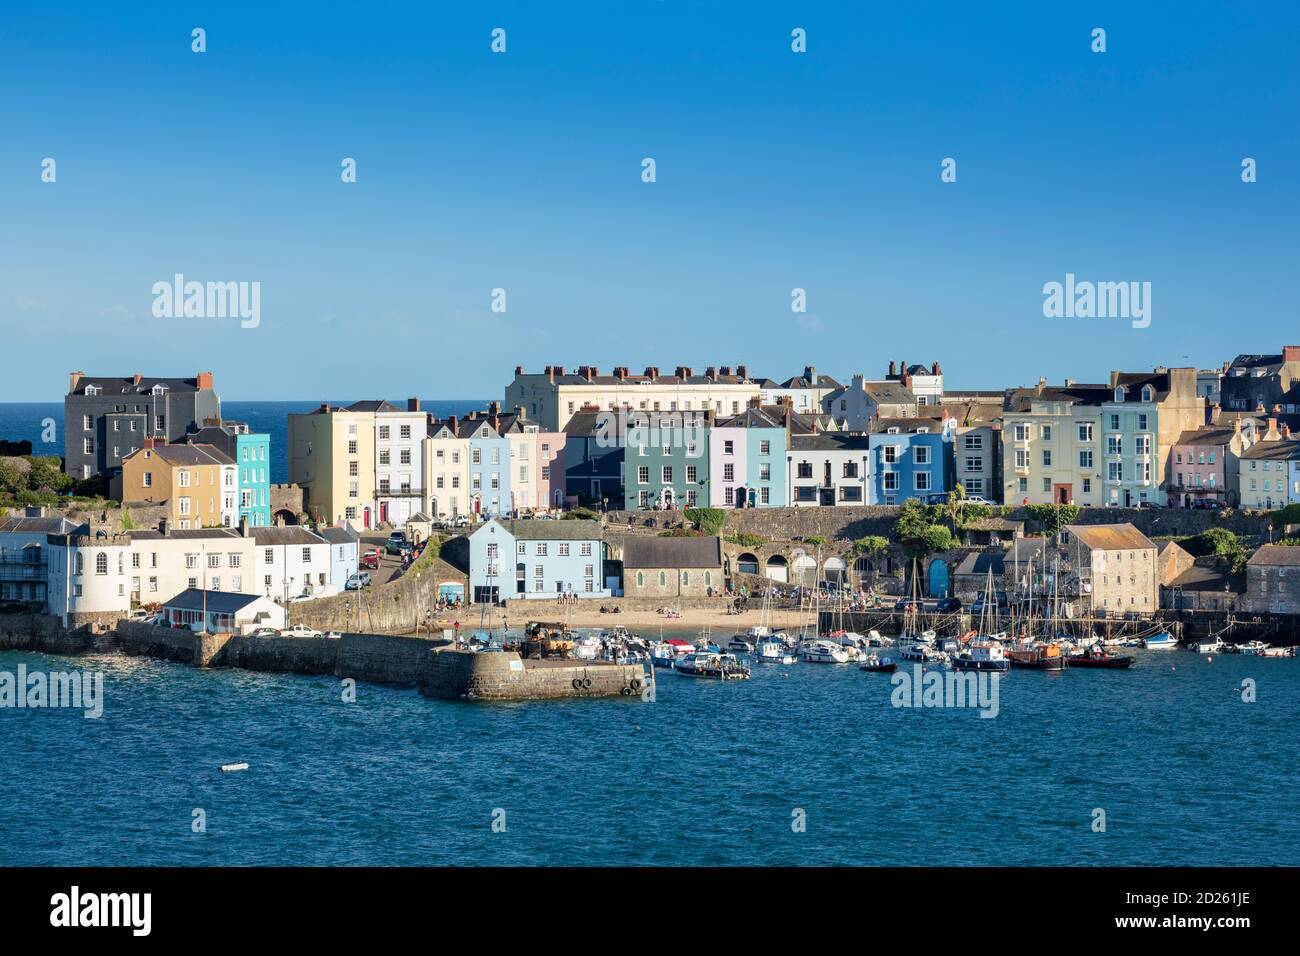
(910, 458)
(489, 466)
(535, 559)
(251, 453)
(345, 553)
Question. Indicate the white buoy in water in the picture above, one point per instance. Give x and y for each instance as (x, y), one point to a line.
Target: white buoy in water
(228, 767)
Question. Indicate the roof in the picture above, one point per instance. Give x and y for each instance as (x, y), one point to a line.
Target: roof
(754, 418)
(25, 525)
(289, 534)
(110, 386)
(1134, 381)
(1027, 549)
(1021, 399)
(1275, 555)
(823, 441)
(1209, 577)
(539, 529)
(1274, 450)
(1217, 435)
(337, 535)
(218, 602)
(186, 454)
(180, 534)
(372, 405)
(573, 378)
(640, 551)
(926, 426)
(1111, 537)
(994, 523)
(981, 563)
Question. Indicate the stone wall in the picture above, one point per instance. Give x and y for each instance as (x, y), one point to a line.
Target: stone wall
(287, 498)
(397, 607)
(464, 675)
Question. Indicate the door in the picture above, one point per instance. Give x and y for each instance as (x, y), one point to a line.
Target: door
(938, 583)
(383, 512)
(365, 517)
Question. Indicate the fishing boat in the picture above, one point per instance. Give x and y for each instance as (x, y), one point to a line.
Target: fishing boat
(740, 645)
(981, 655)
(588, 647)
(1100, 657)
(1277, 652)
(922, 653)
(1160, 641)
(1207, 647)
(772, 651)
(1038, 657)
(822, 651)
(712, 666)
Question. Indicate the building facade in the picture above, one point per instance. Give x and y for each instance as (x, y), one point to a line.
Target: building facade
(666, 461)
(332, 458)
(910, 458)
(535, 559)
(197, 482)
(828, 470)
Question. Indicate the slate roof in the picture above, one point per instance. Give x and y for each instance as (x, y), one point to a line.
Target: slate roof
(1020, 399)
(829, 441)
(218, 602)
(1274, 450)
(911, 426)
(186, 454)
(110, 385)
(537, 529)
(1275, 555)
(24, 525)
(640, 551)
(981, 562)
(337, 535)
(1111, 537)
(151, 534)
(289, 534)
(372, 405)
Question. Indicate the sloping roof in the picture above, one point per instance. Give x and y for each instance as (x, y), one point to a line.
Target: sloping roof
(911, 426)
(640, 551)
(1276, 555)
(181, 534)
(337, 535)
(289, 534)
(833, 441)
(24, 525)
(1027, 549)
(217, 602)
(1217, 435)
(754, 418)
(109, 385)
(538, 529)
(372, 405)
(1274, 450)
(981, 563)
(1209, 577)
(1020, 399)
(1134, 381)
(994, 523)
(186, 454)
(1111, 537)
(889, 393)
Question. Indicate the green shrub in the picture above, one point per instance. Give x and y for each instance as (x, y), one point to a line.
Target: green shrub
(747, 540)
(580, 514)
(871, 544)
(1052, 518)
(708, 520)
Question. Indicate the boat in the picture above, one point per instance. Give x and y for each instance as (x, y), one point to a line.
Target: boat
(922, 653)
(1207, 647)
(1161, 641)
(740, 645)
(589, 647)
(981, 655)
(823, 652)
(1038, 657)
(876, 664)
(1277, 652)
(876, 639)
(773, 651)
(663, 654)
(1100, 657)
(713, 666)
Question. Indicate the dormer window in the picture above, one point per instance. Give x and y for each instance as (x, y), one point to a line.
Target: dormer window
(891, 431)
(92, 389)
(159, 389)
(1147, 394)
(1119, 393)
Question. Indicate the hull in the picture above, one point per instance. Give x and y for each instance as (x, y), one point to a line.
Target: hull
(964, 665)
(879, 668)
(1038, 663)
(1112, 662)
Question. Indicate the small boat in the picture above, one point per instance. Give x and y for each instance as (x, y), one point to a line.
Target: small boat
(1100, 657)
(773, 651)
(922, 653)
(1251, 648)
(588, 647)
(1162, 641)
(876, 664)
(712, 666)
(981, 655)
(1038, 657)
(740, 645)
(824, 652)
(876, 639)
(1277, 652)
(1207, 647)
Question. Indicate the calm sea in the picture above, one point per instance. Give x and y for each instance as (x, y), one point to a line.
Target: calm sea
(22, 420)
(1186, 772)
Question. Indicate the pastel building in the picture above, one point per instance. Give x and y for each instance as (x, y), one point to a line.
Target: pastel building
(666, 460)
(251, 453)
(747, 461)
(828, 470)
(536, 560)
(446, 463)
(332, 457)
(910, 458)
(399, 462)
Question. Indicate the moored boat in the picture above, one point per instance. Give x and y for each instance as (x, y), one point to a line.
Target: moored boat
(774, 652)
(1099, 657)
(981, 655)
(1038, 657)
(876, 664)
(823, 652)
(712, 665)
(1161, 641)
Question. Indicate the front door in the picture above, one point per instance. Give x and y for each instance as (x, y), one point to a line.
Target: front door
(365, 518)
(1064, 493)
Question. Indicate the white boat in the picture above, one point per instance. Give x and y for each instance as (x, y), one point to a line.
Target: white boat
(981, 654)
(1162, 641)
(1277, 652)
(876, 639)
(823, 652)
(588, 647)
(1207, 647)
(714, 666)
(922, 652)
(739, 645)
(774, 652)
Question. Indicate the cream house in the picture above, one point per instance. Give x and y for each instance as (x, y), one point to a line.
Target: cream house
(332, 456)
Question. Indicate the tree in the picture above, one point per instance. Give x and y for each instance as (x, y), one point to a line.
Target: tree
(871, 544)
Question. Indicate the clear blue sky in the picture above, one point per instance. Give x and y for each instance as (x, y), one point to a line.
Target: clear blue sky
(522, 171)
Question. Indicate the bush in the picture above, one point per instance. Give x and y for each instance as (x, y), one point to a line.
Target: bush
(747, 540)
(580, 514)
(1285, 516)
(871, 544)
(682, 533)
(1052, 518)
(708, 520)
(815, 541)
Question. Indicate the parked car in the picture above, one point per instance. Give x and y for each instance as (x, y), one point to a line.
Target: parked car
(976, 500)
(264, 632)
(370, 559)
(142, 616)
(904, 604)
(299, 630)
(948, 605)
(358, 581)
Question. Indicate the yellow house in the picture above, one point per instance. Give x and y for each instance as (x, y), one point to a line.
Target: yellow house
(332, 457)
(198, 483)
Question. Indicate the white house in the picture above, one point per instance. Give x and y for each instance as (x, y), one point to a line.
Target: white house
(828, 469)
(87, 570)
(291, 562)
(167, 561)
(221, 612)
(345, 553)
(399, 461)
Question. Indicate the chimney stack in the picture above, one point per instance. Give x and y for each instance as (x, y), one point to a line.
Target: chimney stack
(73, 379)
(683, 371)
(550, 373)
(412, 404)
(725, 371)
(935, 370)
(742, 371)
(1272, 433)
(137, 378)
(149, 443)
(810, 373)
(519, 370)
(453, 423)
(711, 373)
(651, 372)
(620, 373)
(1291, 353)
(892, 370)
(205, 380)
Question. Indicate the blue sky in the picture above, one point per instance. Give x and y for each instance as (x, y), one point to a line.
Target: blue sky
(522, 171)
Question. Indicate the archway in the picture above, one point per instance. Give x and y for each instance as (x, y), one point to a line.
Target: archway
(778, 569)
(284, 516)
(833, 569)
(805, 571)
(938, 578)
(747, 563)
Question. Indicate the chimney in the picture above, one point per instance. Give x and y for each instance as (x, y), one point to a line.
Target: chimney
(1271, 434)
(521, 413)
(902, 367)
(412, 404)
(73, 379)
(137, 378)
(149, 443)
(708, 417)
(935, 370)
(683, 371)
(810, 373)
(1291, 353)
(205, 380)
(1215, 411)
(651, 372)
(620, 373)
(711, 373)
(892, 370)
(494, 420)
(243, 526)
(742, 371)
(1259, 408)
(494, 408)
(550, 372)
(756, 401)
(519, 370)
(1286, 431)
(725, 371)
(453, 423)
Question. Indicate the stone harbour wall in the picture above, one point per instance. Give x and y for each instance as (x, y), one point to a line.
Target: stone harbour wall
(464, 675)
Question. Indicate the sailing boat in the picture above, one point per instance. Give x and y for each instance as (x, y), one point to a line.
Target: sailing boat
(982, 651)
(915, 644)
(1043, 653)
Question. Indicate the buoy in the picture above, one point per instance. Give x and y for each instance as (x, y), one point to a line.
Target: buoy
(228, 767)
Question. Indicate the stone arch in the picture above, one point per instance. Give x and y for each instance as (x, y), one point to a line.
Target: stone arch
(835, 571)
(284, 517)
(747, 563)
(804, 571)
(778, 568)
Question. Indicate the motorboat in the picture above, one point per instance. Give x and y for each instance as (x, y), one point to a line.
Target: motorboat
(1207, 647)
(740, 645)
(1038, 657)
(1251, 648)
(589, 647)
(822, 651)
(922, 653)
(1162, 641)
(876, 639)
(714, 666)
(1101, 657)
(772, 651)
(876, 664)
(981, 655)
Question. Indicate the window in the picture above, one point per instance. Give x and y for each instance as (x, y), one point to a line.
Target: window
(564, 549)
(728, 472)
(890, 454)
(306, 554)
(101, 563)
(269, 556)
(803, 470)
(541, 549)
(383, 432)
(1022, 458)
(691, 473)
(728, 447)
(1047, 433)
(1085, 459)
(849, 469)
(891, 480)
(1047, 458)
(922, 454)
(922, 481)
(765, 448)
(667, 474)
(1022, 431)
(974, 442)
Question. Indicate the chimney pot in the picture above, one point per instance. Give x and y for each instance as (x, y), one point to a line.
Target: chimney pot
(892, 369)
(742, 371)
(519, 370)
(412, 404)
(204, 380)
(73, 379)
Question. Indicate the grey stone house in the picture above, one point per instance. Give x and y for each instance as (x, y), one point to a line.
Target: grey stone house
(1273, 580)
(672, 567)
(106, 419)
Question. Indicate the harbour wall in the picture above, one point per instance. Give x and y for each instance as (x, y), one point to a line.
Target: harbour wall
(462, 675)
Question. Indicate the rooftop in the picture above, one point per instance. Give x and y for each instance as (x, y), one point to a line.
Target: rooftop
(640, 551)
(1111, 537)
